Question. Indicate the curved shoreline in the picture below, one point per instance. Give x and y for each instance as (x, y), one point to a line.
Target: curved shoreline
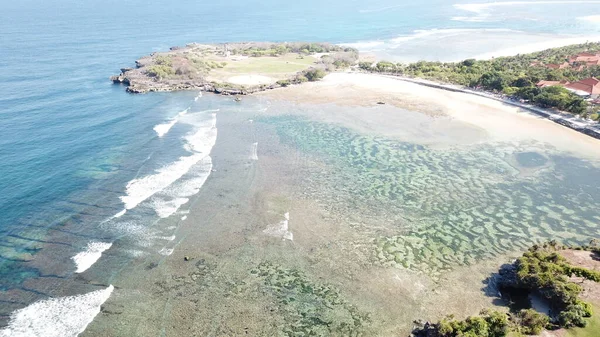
(588, 128)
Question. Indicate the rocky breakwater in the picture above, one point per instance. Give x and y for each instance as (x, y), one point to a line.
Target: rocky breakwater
(232, 69)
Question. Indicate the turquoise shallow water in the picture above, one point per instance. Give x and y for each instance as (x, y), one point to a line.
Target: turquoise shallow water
(70, 141)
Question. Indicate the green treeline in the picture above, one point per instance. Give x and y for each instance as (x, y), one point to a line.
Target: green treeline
(514, 76)
(257, 49)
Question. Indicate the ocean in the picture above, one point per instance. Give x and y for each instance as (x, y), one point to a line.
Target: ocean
(89, 172)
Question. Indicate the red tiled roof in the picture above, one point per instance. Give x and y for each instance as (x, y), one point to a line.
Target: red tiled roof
(590, 85)
(587, 59)
(590, 81)
(559, 66)
(542, 84)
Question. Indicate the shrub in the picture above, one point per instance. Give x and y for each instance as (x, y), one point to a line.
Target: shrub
(301, 78)
(571, 318)
(532, 322)
(385, 66)
(497, 322)
(163, 60)
(488, 324)
(314, 74)
(469, 62)
(160, 71)
(365, 65)
(283, 83)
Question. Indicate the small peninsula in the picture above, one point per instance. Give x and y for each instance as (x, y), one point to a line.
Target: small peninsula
(235, 68)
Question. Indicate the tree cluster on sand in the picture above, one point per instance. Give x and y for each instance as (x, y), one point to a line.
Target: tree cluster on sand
(542, 271)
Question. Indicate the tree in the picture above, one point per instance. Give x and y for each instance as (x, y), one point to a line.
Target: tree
(522, 82)
(384, 66)
(532, 322)
(314, 74)
(469, 62)
(492, 81)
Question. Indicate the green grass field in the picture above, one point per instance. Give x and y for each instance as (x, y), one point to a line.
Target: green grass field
(287, 64)
(591, 330)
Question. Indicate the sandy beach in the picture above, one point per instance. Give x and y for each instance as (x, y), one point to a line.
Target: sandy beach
(470, 118)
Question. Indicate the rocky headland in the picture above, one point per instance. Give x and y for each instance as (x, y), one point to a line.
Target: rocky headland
(235, 68)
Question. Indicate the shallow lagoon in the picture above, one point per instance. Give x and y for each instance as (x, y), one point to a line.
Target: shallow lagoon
(314, 227)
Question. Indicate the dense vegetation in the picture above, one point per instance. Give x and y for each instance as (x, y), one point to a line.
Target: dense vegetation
(541, 270)
(514, 76)
(544, 271)
(257, 49)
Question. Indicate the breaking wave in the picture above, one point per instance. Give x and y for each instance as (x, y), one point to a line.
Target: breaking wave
(418, 34)
(254, 152)
(56, 317)
(199, 144)
(88, 257)
(537, 46)
(163, 129)
(482, 11)
(168, 202)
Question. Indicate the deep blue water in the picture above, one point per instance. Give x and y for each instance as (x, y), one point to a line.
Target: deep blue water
(70, 140)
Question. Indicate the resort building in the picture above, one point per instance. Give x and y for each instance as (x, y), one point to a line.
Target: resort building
(576, 62)
(587, 87)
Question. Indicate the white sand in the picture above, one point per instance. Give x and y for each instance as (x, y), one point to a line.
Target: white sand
(251, 80)
(469, 118)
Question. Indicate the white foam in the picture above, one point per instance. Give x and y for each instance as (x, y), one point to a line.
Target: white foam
(135, 253)
(88, 257)
(166, 208)
(199, 144)
(166, 251)
(480, 7)
(281, 230)
(184, 217)
(254, 152)
(381, 9)
(417, 34)
(590, 18)
(537, 46)
(120, 214)
(204, 139)
(138, 190)
(198, 97)
(365, 45)
(56, 317)
(171, 199)
(482, 13)
(420, 34)
(163, 129)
